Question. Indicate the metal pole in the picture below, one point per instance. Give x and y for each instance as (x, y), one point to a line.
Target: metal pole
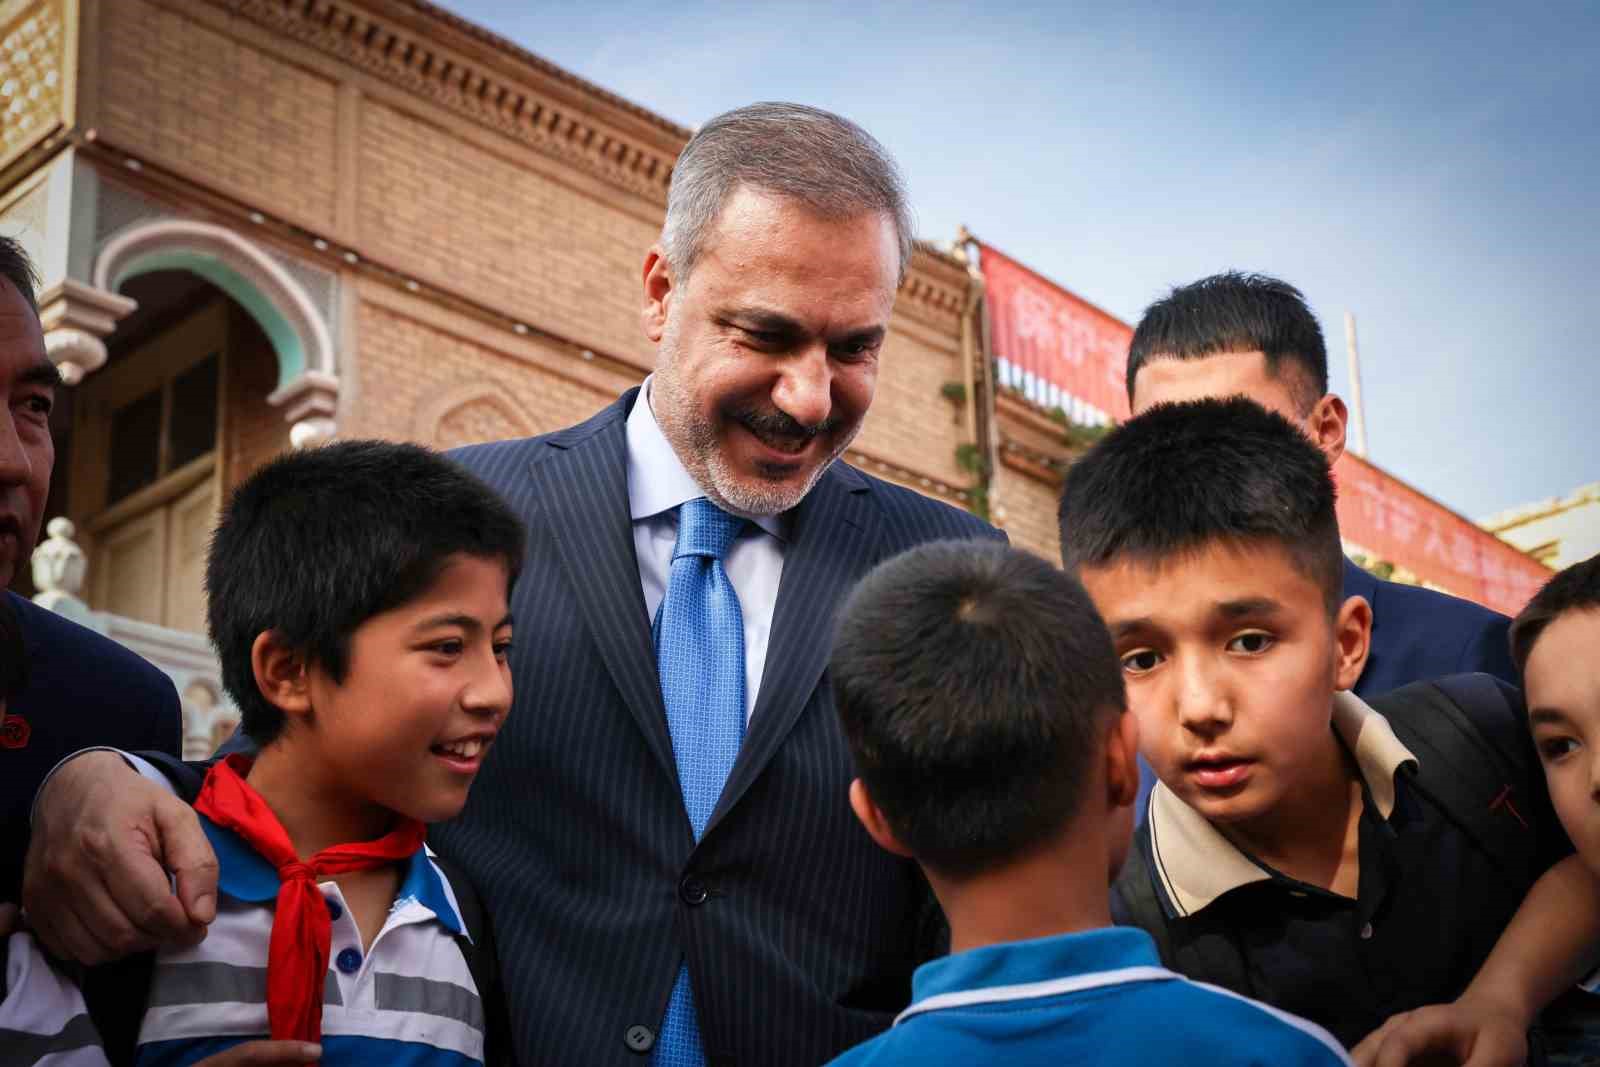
(1358, 417)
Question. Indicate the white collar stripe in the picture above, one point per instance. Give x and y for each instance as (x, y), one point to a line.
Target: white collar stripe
(1031, 990)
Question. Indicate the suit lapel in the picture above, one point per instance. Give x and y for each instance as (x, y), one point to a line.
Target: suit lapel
(831, 545)
(583, 481)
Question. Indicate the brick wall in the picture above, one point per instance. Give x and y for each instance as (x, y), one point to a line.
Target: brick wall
(253, 430)
(210, 107)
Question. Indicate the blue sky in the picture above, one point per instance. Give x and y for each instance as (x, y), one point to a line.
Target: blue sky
(1433, 168)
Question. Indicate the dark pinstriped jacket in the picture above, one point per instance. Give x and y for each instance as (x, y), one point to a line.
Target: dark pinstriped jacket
(800, 935)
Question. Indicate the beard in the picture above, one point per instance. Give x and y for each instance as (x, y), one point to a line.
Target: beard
(694, 438)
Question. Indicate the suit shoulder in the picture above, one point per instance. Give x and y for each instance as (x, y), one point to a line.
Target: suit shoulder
(916, 518)
(501, 463)
(69, 663)
(1437, 607)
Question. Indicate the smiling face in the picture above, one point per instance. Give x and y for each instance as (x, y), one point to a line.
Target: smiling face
(1231, 661)
(1561, 680)
(768, 351)
(28, 382)
(426, 690)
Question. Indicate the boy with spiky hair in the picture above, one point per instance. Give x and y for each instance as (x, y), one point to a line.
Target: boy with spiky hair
(357, 598)
(1340, 859)
(983, 707)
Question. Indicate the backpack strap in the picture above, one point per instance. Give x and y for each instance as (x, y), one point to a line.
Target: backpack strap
(1480, 781)
(478, 949)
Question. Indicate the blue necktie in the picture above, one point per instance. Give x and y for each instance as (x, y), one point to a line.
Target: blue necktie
(699, 634)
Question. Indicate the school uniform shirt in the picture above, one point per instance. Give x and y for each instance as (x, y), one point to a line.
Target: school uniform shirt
(410, 999)
(43, 1019)
(1095, 997)
(1430, 902)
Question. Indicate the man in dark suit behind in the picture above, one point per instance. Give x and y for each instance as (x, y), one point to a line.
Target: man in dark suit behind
(72, 686)
(639, 917)
(1252, 335)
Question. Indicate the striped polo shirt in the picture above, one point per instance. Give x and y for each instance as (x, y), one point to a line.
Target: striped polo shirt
(409, 1001)
(42, 1015)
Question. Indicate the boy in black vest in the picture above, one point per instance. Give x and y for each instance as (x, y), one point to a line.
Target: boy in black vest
(1341, 860)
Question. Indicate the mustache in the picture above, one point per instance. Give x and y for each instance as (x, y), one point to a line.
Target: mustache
(775, 423)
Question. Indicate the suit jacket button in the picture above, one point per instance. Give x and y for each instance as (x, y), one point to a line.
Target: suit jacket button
(693, 891)
(639, 1038)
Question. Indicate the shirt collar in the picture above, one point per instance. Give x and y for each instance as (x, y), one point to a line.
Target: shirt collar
(1043, 959)
(657, 480)
(243, 874)
(1194, 863)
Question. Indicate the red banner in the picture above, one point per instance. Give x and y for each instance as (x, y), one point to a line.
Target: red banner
(1062, 351)
(1387, 518)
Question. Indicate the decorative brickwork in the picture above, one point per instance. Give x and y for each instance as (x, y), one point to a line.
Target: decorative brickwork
(380, 39)
(31, 89)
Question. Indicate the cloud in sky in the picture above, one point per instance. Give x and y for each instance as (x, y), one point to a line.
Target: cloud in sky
(1430, 167)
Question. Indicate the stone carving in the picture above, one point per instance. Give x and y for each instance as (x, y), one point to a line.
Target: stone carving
(58, 571)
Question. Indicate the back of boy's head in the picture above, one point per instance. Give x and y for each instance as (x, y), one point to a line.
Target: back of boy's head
(1575, 589)
(320, 540)
(1236, 312)
(1184, 477)
(974, 683)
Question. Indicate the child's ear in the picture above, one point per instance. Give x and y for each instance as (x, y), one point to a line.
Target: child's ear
(280, 674)
(1122, 761)
(873, 819)
(1352, 632)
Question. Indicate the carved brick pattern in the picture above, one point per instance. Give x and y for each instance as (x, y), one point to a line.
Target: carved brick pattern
(30, 77)
(30, 212)
(120, 207)
(452, 81)
(478, 421)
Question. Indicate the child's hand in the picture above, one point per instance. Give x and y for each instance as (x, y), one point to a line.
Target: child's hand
(265, 1054)
(1464, 1032)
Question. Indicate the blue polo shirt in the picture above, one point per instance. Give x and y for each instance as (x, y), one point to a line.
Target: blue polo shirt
(409, 1000)
(1096, 997)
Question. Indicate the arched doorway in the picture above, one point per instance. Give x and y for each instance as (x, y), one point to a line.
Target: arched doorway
(153, 439)
(225, 361)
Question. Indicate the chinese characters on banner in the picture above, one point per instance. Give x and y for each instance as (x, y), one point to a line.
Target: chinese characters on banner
(1061, 351)
(1391, 520)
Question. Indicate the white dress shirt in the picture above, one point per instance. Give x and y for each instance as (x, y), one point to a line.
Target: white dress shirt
(657, 484)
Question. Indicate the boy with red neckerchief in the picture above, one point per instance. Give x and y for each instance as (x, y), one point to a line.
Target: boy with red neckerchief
(358, 602)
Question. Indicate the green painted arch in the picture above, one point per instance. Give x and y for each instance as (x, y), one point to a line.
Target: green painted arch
(280, 331)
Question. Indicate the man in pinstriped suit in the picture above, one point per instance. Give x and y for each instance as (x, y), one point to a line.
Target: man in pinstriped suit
(769, 296)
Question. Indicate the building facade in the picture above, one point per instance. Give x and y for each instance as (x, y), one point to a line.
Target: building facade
(1558, 532)
(262, 224)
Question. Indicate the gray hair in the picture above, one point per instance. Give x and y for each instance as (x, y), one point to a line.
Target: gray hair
(826, 162)
(17, 268)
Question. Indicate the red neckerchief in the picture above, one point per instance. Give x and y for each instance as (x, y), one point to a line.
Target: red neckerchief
(297, 955)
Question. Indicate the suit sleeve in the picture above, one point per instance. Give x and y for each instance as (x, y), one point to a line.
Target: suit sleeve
(1488, 651)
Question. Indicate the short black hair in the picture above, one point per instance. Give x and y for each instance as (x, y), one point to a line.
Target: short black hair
(1575, 589)
(1181, 477)
(319, 540)
(973, 681)
(13, 653)
(1236, 312)
(17, 268)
